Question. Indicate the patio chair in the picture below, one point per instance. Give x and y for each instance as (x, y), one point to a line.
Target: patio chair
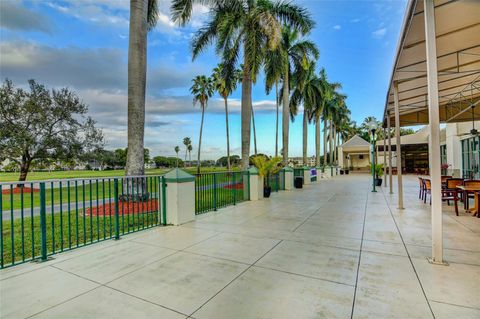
(421, 188)
(427, 190)
(450, 192)
(469, 194)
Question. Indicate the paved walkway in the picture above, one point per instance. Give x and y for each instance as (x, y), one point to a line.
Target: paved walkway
(331, 250)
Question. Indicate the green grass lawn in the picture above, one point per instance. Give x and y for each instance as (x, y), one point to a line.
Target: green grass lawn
(77, 192)
(36, 176)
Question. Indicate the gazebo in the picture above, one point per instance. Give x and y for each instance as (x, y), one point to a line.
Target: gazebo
(435, 78)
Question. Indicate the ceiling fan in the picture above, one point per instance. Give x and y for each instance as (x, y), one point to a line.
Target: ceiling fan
(473, 131)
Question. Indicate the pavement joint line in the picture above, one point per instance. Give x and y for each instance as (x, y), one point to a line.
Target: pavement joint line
(57, 261)
(63, 302)
(409, 258)
(238, 276)
(304, 276)
(315, 212)
(453, 304)
(359, 255)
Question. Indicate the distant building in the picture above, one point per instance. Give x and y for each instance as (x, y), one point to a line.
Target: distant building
(298, 161)
(354, 154)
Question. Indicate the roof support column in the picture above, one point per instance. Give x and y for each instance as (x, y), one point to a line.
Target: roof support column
(384, 158)
(389, 153)
(434, 138)
(398, 146)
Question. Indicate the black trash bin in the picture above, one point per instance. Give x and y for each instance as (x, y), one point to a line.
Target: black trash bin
(298, 182)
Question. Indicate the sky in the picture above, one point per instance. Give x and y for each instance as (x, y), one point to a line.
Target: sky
(83, 45)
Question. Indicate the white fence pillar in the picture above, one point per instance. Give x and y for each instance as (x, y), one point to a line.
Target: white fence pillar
(180, 196)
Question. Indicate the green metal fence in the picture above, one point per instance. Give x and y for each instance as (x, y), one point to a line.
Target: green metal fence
(220, 189)
(42, 218)
(277, 181)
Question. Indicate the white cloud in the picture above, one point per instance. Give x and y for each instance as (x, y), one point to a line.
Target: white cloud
(380, 33)
(355, 20)
(14, 16)
(337, 27)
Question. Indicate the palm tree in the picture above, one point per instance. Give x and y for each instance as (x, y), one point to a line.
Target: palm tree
(243, 26)
(318, 112)
(202, 90)
(307, 90)
(143, 18)
(297, 51)
(190, 148)
(225, 87)
(186, 141)
(328, 110)
(274, 62)
(177, 149)
(340, 115)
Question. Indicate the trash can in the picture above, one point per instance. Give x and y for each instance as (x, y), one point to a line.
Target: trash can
(298, 182)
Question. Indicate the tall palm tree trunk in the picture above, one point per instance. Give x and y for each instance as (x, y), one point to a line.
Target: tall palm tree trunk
(228, 134)
(330, 142)
(276, 122)
(305, 128)
(317, 141)
(200, 139)
(324, 141)
(334, 144)
(246, 114)
(254, 133)
(137, 74)
(285, 117)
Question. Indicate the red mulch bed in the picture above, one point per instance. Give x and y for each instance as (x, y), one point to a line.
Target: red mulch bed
(127, 208)
(236, 186)
(18, 190)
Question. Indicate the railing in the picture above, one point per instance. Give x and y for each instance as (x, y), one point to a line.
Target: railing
(216, 190)
(42, 218)
(277, 181)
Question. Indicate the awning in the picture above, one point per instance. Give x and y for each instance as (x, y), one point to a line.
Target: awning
(458, 60)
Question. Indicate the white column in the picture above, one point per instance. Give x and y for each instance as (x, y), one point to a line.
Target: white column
(434, 139)
(384, 158)
(399, 146)
(390, 178)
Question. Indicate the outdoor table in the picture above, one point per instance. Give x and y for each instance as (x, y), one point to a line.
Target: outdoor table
(475, 190)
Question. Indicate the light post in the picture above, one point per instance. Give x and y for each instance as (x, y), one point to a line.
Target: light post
(373, 125)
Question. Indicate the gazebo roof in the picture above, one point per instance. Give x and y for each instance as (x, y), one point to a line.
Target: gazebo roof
(355, 142)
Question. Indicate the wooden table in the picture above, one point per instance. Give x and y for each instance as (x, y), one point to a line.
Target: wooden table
(475, 190)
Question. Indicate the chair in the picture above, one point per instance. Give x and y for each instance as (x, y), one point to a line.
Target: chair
(469, 194)
(427, 190)
(421, 188)
(450, 192)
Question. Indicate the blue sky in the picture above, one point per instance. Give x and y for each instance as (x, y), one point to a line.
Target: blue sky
(83, 44)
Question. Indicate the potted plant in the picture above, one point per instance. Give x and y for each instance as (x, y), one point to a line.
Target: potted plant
(267, 167)
(378, 169)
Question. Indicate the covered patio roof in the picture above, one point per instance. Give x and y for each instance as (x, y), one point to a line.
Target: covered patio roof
(458, 61)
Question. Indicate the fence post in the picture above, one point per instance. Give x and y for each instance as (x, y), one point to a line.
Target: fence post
(117, 219)
(164, 200)
(214, 191)
(233, 189)
(43, 223)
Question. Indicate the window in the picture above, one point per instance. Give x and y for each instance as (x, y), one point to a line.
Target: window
(470, 157)
(443, 154)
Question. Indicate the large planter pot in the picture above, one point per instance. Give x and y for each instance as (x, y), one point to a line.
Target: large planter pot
(378, 182)
(341, 172)
(267, 190)
(347, 171)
